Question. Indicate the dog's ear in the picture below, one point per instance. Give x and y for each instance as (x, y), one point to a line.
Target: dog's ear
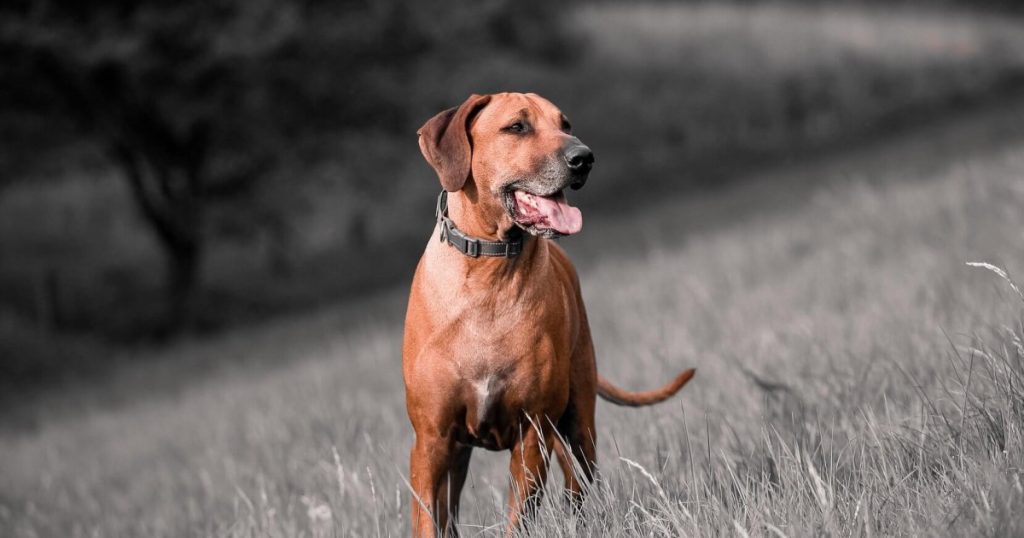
(444, 141)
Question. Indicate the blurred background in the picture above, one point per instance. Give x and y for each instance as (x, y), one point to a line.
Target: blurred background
(179, 168)
(172, 172)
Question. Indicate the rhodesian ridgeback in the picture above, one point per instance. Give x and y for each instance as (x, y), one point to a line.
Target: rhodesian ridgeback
(497, 351)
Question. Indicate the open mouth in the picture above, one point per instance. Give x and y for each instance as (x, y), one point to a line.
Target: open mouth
(549, 215)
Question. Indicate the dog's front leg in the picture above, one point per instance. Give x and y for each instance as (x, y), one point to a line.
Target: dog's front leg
(438, 468)
(529, 471)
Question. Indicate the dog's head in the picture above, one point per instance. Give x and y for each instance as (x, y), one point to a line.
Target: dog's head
(512, 155)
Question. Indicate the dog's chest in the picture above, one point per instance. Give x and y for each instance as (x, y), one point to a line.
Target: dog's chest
(484, 347)
(503, 380)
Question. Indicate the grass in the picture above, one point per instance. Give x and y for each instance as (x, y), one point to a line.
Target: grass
(855, 377)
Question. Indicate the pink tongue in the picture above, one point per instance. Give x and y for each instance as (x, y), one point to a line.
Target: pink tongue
(554, 212)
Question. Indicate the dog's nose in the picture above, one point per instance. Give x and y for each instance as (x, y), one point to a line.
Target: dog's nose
(579, 158)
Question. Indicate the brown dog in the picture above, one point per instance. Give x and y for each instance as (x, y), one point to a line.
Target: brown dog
(497, 351)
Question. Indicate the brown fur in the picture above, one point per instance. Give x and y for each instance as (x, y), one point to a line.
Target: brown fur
(497, 351)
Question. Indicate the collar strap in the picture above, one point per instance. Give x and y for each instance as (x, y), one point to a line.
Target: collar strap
(472, 246)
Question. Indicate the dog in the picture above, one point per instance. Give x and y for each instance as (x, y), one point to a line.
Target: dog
(497, 351)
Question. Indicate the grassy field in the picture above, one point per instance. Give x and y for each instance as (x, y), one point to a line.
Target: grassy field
(855, 378)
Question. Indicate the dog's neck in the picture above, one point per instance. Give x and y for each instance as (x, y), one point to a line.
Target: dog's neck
(508, 245)
(493, 270)
(475, 219)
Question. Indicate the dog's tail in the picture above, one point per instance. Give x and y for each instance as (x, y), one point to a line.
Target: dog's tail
(617, 396)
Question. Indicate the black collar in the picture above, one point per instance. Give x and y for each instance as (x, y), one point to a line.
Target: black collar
(469, 245)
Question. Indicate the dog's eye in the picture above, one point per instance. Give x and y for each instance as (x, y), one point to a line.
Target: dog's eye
(566, 126)
(517, 127)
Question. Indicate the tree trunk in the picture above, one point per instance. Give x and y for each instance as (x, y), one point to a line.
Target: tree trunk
(183, 265)
(174, 212)
(164, 166)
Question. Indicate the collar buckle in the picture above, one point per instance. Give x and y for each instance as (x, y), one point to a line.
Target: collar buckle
(472, 247)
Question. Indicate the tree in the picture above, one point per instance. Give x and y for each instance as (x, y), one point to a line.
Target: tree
(189, 100)
(196, 102)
